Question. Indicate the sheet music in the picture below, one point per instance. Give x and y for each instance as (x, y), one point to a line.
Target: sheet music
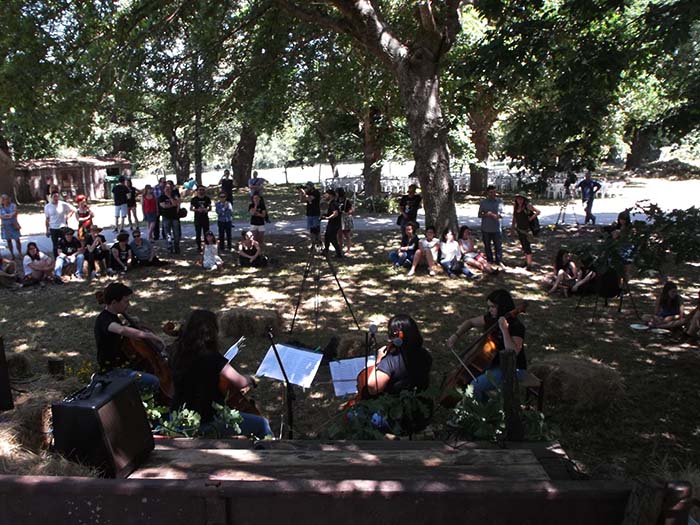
(344, 374)
(235, 348)
(301, 365)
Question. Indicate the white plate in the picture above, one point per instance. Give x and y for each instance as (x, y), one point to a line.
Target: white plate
(639, 327)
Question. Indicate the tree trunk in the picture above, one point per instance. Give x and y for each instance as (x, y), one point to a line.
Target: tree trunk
(419, 88)
(198, 146)
(242, 159)
(642, 149)
(179, 156)
(372, 154)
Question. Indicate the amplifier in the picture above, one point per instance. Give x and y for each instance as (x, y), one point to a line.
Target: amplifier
(104, 425)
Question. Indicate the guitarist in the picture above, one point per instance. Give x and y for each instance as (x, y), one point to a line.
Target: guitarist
(509, 335)
(110, 334)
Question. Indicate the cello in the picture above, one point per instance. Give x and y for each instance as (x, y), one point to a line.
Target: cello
(473, 361)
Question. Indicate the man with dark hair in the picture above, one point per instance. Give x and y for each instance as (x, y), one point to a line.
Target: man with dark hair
(169, 206)
(142, 251)
(121, 203)
(589, 187)
(110, 333)
(312, 197)
(409, 205)
(226, 183)
(201, 206)
(157, 192)
(491, 213)
(333, 227)
(70, 251)
(404, 254)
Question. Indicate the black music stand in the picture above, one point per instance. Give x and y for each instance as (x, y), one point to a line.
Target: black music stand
(288, 386)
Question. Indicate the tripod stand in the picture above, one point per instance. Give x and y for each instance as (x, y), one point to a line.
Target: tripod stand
(313, 266)
(568, 202)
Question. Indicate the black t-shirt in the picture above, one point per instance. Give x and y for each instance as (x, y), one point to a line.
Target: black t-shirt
(198, 387)
(68, 248)
(333, 207)
(131, 201)
(313, 208)
(412, 243)
(227, 186)
(394, 365)
(101, 249)
(254, 219)
(120, 193)
(167, 213)
(410, 204)
(109, 344)
(124, 253)
(201, 202)
(522, 219)
(516, 329)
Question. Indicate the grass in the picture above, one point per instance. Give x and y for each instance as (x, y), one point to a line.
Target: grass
(654, 422)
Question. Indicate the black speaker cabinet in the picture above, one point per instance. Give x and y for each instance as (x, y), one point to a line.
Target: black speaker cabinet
(104, 425)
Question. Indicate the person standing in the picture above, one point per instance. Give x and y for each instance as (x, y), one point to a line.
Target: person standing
(333, 227)
(157, 192)
(57, 213)
(201, 206)
(169, 208)
(589, 187)
(258, 214)
(523, 214)
(224, 221)
(226, 183)
(120, 192)
(312, 197)
(10, 224)
(131, 205)
(255, 184)
(491, 213)
(409, 205)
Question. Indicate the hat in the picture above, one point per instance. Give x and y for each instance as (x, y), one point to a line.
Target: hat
(67, 231)
(116, 292)
(122, 236)
(95, 228)
(310, 183)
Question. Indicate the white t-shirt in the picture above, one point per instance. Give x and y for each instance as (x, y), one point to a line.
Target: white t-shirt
(450, 250)
(57, 214)
(210, 257)
(433, 245)
(28, 260)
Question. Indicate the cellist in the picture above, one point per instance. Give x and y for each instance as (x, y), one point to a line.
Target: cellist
(199, 368)
(110, 334)
(509, 335)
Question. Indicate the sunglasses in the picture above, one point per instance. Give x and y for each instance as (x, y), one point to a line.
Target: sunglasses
(222, 196)
(136, 235)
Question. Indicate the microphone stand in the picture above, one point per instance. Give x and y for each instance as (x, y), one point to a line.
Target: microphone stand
(289, 391)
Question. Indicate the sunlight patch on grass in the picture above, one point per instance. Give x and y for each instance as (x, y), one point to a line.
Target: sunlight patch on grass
(265, 295)
(37, 323)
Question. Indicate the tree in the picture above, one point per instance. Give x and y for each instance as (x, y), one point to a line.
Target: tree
(414, 61)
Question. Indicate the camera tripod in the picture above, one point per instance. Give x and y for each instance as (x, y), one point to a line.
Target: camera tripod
(313, 267)
(568, 202)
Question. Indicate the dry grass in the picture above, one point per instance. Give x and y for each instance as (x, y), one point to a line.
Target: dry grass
(654, 419)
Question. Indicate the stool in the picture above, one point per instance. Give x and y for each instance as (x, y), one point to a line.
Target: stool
(534, 387)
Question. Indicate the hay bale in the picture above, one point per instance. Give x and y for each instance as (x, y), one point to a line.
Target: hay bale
(249, 322)
(18, 365)
(351, 345)
(583, 383)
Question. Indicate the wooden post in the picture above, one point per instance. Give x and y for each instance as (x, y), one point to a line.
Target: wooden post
(57, 367)
(511, 397)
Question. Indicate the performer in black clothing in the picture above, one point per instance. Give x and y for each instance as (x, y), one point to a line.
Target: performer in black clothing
(334, 222)
(509, 335)
(109, 337)
(201, 206)
(226, 183)
(409, 205)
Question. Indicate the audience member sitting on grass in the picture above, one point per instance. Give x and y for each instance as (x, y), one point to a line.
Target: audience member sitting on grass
(451, 255)
(143, 251)
(564, 275)
(403, 255)
(97, 252)
(668, 311)
(8, 274)
(70, 252)
(38, 267)
(470, 256)
(585, 277)
(249, 251)
(210, 256)
(121, 255)
(428, 252)
(692, 326)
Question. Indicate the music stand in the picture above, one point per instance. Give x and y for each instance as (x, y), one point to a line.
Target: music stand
(289, 391)
(6, 402)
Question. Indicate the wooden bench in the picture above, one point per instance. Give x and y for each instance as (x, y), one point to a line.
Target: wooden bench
(201, 482)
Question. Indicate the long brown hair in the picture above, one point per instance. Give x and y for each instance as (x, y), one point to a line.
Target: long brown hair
(199, 336)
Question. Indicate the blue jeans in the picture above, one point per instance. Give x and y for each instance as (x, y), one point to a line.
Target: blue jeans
(224, 234)
(61, 261)
(464, 270)
(401, 258)
(482, 384)
(254, 425)
(495, 238)
(146, 383)
(171, 228)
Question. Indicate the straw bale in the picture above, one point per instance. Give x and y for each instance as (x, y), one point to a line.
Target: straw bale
(18, 365)
(351, 345)
(584, 384)
(249, 322)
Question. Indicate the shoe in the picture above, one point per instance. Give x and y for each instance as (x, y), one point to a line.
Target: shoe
(111, 272)
(529, 268)
(42, 284)
(431, 273)
(410, 273)
(78, 277)
(58, 281)
(116, 230)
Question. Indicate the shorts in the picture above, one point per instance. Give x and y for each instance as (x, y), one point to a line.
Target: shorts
(257, 228)
(150, 217)
(313, 222)
(121, 210)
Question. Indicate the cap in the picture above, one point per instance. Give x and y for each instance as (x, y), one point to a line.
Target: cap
(116, 292)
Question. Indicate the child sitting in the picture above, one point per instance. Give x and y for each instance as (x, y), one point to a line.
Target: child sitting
(210, 255)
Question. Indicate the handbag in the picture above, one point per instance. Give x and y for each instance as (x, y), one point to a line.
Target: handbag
(535, 226)
(182, 213)
(456, 265)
